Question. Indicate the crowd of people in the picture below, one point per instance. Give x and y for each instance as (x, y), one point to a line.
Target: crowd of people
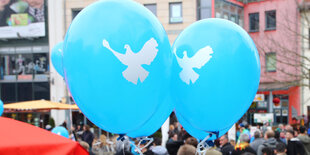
(265, 140)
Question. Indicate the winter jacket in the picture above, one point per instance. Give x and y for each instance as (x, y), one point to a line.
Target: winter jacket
(227, 149)
(305, 140)
(295, 147)
(256, 143)
(271, 142)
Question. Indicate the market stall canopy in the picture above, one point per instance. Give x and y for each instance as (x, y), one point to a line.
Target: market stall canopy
(39, 105)
(22, 138)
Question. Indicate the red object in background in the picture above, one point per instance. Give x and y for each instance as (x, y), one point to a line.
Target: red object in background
(21, 138)
(276, 101)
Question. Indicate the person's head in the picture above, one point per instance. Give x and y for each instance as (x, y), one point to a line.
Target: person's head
(280, 148)
(174, 137)
(302, 130)
(244, 138)
(157, 141)
(171, 127)
(276, 134)
(257, 134)
(288, 127)
(267, 151)
(289, 134)
(35, 3)
(47, 127)
(86, 127)
(269, 134)
(223, 140)
(282, 134)
(186, 150)
(191, 141)
(280, 126)
(84, 145)
(232, 142)
(3, 3)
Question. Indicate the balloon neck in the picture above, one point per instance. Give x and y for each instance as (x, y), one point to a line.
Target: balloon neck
(121, 137)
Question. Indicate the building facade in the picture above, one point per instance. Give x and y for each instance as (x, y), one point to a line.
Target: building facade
(28, 32)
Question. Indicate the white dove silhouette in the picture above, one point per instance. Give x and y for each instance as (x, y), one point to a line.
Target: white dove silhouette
(134, 60)
(197, 61)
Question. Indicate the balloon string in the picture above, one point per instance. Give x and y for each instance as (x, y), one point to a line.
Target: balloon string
(138, 148)
(202, 147)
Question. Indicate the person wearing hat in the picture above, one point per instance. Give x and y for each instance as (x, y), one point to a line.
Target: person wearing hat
(48, 127)
(294, 145)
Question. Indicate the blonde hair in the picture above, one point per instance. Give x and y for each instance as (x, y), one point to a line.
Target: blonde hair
(186, 149)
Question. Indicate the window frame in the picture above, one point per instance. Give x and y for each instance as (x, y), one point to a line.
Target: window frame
(254, 30)
(170, 12)
(150, 4)
(266, 62)
(266, 19)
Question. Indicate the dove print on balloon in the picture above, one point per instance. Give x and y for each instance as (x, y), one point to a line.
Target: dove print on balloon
(134, 60)
(215, 76)
(197, 61)
(117, 60)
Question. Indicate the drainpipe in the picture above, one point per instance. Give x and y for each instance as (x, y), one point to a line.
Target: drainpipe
(270, 109)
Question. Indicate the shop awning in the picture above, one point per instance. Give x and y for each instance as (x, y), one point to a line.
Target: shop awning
(39, 105)
(276, 86)
(22, 138)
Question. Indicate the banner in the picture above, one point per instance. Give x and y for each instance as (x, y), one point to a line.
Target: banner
(22, 19)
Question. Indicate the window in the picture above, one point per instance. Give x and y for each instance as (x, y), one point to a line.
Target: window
(270, 19)
(75, 12)
(203, 9)
(271, 62)
(152, 8)
(8, 92)
(254, 22)
(175, 11)
(41, 90)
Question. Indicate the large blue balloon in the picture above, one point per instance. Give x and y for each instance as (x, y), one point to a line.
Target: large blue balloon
(1, 107)
(216, 75)
(56, 57)
(156, 121)
(197, 133)
(59, 130)
(117, 60)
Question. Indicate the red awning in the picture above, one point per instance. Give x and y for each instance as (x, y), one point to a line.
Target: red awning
(21, 138)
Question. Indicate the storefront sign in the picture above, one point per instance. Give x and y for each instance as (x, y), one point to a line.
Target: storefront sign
(262, 118)
(259, 97)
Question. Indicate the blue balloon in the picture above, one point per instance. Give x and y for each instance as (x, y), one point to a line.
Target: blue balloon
(56, 57)
(59, 130)
(156, 121)
(1, 107)
(216, 75)
(197, 133)
(117, 60)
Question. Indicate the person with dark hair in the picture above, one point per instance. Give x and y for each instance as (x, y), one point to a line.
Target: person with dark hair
(267, 151)
(226, 147)
(157, 149)
(280, 149)
(191, 141)
(88, 136)
(278, 138)
(294, 145)
(304, 138)
(270, 142)
(257, 141)
(173, 144)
